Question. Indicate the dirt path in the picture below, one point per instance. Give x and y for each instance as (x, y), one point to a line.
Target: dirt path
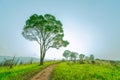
(44, 74)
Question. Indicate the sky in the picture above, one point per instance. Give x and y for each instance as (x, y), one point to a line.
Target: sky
(91, 27)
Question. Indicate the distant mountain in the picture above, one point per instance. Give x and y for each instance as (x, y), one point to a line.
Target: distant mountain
(23, 59)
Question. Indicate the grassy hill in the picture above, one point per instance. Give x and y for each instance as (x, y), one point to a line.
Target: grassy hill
(74, 71)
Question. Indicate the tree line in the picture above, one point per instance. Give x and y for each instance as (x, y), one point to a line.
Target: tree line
(76, 57)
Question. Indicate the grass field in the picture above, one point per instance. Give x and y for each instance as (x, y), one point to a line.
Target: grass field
(65, 71)
(21, 72)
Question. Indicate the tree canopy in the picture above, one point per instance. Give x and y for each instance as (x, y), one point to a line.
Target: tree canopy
(92, 57)
(81, 56)
(66, 53)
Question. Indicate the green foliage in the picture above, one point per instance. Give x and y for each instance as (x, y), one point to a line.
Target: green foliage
(85, 72)
(66, 53)
(22, 72)
(72, 55)
(83, 59)
(91, 57)
(46, 30)
(81, 56)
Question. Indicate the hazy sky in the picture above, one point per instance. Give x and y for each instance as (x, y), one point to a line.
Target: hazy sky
(91, 26)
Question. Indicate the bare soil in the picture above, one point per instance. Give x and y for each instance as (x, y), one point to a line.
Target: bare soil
(44, 74)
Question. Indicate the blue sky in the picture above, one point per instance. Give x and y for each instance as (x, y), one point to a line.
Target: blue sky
(91, 26)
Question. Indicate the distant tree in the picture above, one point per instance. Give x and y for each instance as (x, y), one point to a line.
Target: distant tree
(81, 56)
(46, 30)
(91, 57)
(73, 55)
(66, 54)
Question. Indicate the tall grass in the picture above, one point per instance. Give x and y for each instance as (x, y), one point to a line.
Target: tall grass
(65, 71)
(21, 72)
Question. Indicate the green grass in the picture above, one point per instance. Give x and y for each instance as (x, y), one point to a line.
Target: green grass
(73, 71)
(21, 72)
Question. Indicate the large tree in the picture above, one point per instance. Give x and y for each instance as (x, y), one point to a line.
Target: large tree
(46, 30)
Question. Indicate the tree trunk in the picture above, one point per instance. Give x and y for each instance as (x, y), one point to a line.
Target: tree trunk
(42, 55)
(41, 61)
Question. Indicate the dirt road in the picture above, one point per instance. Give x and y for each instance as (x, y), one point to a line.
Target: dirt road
(44, 74)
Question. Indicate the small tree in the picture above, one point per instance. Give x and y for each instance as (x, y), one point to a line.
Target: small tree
(81, 56)
(92, 58)
(73, 55)
(66, 54)
(46, 30)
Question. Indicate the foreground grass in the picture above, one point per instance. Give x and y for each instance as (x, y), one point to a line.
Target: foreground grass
(22, 72)
(66, 71)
